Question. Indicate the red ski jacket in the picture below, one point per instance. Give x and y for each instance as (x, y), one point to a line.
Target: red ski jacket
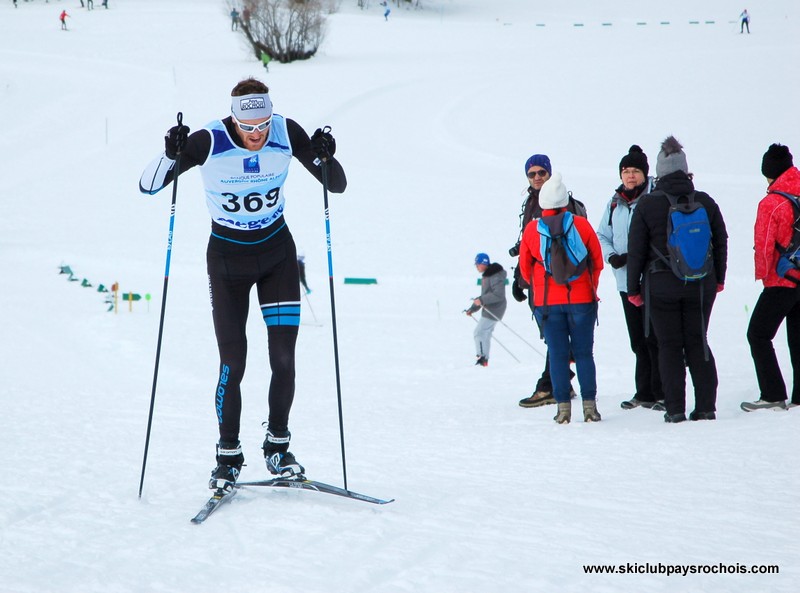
(581, 290)
(773, 226)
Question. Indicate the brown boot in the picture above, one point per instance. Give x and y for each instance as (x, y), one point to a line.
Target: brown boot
(590, 413)
(539, 398)
(564, 413)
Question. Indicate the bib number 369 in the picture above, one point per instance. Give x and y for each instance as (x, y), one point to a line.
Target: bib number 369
(252, 202)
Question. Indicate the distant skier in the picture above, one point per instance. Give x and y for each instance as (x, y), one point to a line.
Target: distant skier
(301, 266)
(265, 60)
(388, 10)
(63, 19)
(234, 19)
(745, 21)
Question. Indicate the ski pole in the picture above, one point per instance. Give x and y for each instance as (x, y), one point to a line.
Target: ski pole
(498, 341)
(176, 169)
(310, 308)
(324, 165)
(515, 333)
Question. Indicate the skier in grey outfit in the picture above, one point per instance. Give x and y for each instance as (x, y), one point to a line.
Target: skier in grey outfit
(492, 301)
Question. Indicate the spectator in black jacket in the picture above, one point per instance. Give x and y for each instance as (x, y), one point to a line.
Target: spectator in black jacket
(679, 309)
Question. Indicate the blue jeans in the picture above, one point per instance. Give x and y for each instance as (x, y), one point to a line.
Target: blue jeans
(570, 328)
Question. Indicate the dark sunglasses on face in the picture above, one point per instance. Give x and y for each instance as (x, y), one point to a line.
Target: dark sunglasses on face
(540, 173)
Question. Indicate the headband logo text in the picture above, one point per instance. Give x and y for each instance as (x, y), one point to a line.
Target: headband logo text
(252, 103)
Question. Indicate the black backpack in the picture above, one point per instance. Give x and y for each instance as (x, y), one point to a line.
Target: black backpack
(789, 256)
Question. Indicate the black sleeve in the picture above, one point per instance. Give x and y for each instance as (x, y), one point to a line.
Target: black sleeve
(301, 150)
(638, 249)
(195, 153)
(719, 238)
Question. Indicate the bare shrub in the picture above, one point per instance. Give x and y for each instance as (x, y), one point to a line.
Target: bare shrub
(286, 30)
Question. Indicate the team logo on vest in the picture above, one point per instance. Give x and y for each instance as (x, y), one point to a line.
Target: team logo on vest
(252, 103)
(251, 165)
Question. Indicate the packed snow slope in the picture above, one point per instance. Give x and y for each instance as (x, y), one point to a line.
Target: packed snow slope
(435, 111)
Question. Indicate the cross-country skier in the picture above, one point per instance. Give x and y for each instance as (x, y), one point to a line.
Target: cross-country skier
(244, 160)
(745, 18)
(493, 303)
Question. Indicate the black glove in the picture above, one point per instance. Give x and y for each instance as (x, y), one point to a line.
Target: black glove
(518, 293)
(175, 141)
(323, 144)
(617, 261)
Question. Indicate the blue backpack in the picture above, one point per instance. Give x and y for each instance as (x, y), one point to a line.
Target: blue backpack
(789, 258)
(563, 253)
(689, 247)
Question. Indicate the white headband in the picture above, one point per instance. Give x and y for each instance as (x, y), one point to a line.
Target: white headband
(255, 106)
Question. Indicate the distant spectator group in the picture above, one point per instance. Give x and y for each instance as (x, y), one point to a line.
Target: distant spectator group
(667, 245)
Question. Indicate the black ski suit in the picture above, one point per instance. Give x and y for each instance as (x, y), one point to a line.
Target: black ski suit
(240, 258)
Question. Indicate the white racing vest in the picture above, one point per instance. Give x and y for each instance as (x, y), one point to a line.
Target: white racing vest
(244, 189)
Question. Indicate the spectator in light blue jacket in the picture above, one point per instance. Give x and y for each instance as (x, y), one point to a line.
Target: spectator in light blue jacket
(613, 235)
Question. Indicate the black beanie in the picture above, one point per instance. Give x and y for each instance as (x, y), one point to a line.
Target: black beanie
(776, 161)
(636, 159)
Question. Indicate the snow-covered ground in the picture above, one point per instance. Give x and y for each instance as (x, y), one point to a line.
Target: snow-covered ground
(434, 112)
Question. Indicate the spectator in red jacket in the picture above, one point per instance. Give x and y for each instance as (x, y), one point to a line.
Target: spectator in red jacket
(780, 298)
(567, 313)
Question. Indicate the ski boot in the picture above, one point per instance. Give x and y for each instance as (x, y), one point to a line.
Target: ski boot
(280, 461)
(229, 463)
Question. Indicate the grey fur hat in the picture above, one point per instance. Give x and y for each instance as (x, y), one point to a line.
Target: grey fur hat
(671, 158)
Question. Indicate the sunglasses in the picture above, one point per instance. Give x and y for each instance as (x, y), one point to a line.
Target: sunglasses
(248, 128)
(540, 173)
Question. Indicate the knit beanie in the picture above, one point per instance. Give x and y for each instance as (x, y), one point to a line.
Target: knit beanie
(482, 258)
(671, 158)
(539, 160)
(635, 158)
(553, 193)
(777, 160)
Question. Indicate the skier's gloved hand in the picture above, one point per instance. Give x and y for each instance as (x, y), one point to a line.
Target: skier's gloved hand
(323, 144)
(175, 141)
(517, 292)
(617, 260)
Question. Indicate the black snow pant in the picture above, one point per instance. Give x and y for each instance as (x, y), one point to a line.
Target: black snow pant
(679, 319)
(647, 377)
(774, 305)
(232, 271)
